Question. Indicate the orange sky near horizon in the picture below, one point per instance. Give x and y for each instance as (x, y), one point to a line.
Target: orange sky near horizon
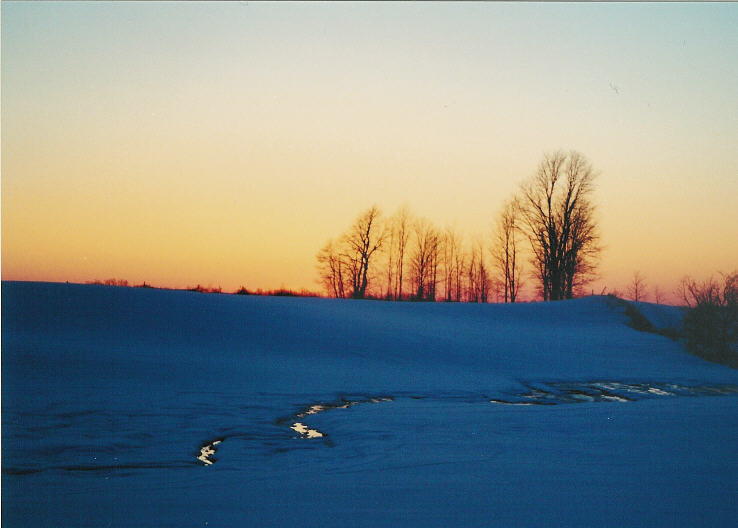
(223, 144)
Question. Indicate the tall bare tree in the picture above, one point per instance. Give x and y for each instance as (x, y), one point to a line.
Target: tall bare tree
(390, 247)
(402, 221)
(496, 289)
(483, 275)
(472, 292)
(362, 240)
(637, 287)
(505, 250)
(450, 247)
(658, 294)
(478, 279)
(558, 218)
(424, 259)
(459, 265)
(332, 270)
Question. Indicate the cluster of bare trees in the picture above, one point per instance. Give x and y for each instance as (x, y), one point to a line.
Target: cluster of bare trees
(638, 289)
(403, 257)
(344, 265)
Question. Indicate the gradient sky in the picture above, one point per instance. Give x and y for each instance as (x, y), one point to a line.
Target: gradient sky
(223, 144)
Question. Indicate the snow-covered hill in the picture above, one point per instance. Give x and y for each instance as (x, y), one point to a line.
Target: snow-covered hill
(125, 407)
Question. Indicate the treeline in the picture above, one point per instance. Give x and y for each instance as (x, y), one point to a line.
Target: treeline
(281, 292)
(546, 233)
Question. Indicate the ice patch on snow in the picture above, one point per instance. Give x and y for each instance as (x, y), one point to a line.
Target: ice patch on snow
(305, 431)
(659, 392)
(207, 451)
(314, 409)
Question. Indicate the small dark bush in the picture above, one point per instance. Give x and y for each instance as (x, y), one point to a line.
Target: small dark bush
(108, 282)
(711, 323)
(203, 289)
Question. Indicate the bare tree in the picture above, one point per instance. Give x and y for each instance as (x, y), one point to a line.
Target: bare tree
(637, 287)
(478, 284)
(558, 217)
(472, 291)
(658, 294)
(424, 260)
(332, 270)
(392, 235)
(505, 252)
(682, 290)
(496, 289)
(401, 221)
(363, 239)
(450, 248)
(460, 260)
(483, 280)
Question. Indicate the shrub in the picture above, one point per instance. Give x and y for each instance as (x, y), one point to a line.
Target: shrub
(203, 289)
(711, 323)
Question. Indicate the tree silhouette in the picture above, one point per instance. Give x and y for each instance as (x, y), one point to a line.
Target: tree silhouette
(362, 240)
(637, 287)
(402, 221)
(553, 210)
(450, 247)
(332, 270)
(460, 261)
(479, 280)
(505, 250)
(390, 250)
(398, 230)
(658, 294)
(424, 259)
(558, 218)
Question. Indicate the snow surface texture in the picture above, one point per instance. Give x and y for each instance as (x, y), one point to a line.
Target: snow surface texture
(136, 407)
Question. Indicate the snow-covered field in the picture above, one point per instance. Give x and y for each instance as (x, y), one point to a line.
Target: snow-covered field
(136, 407)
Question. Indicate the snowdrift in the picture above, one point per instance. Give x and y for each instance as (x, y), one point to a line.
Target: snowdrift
(125, 406)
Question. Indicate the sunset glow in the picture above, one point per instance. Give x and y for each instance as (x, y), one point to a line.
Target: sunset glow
(223, 144)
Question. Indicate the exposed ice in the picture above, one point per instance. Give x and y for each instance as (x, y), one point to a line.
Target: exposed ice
(303, 430)
(206, 452)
